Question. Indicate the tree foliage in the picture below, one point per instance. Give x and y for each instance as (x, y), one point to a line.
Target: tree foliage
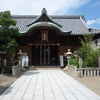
(86, 42)
(6, 19)
(90, 55)
(8, 32)
(88, 52)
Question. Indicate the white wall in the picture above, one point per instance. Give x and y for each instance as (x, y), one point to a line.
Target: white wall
(96, 43)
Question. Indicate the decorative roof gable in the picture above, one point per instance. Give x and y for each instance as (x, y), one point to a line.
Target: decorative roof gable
(46, 25)
(44, 18)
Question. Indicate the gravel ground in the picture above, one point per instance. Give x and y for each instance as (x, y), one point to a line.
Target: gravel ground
(92, 83)
(7, 79)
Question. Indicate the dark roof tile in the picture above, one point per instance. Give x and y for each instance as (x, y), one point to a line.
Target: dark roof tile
(74, 23)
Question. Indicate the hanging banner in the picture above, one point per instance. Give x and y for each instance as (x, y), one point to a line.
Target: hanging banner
(5, 62)
(61, 61)
(25, 60)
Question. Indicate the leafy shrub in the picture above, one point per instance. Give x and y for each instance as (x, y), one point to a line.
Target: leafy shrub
(84, 64)
(74, 62)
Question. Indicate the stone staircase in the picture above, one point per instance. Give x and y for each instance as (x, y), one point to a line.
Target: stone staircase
(44, 68)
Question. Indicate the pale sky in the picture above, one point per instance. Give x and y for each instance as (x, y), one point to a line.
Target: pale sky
(88, 8)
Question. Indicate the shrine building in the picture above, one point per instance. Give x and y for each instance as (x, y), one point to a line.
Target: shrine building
(46, 37)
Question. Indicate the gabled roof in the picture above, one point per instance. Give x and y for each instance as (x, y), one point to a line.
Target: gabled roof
(46, 25)
(74, 23)
(44, 22)
(44, 17)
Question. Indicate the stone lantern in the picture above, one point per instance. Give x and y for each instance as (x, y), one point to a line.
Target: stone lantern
(68, 56)
(20, 57)
(20, 53)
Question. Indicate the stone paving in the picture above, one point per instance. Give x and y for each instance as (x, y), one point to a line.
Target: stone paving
(47, 85)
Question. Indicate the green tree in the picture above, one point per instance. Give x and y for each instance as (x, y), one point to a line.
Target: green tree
(8, 32)
(86, 42)
(90, 57)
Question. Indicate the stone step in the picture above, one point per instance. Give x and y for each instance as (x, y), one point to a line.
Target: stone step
(44, 67)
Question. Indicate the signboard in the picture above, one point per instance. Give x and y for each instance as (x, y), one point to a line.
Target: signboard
(5, 62)
(25, 60)
(3, 52)
(61, 61)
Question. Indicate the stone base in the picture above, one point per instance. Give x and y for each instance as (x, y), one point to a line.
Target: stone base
(23, 69)
(66, 68)
(16, 70)
(77, 74)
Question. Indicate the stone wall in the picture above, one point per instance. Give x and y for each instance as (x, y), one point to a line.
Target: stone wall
(16, 70)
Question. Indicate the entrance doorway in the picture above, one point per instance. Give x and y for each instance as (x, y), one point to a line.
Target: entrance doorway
(44, 55)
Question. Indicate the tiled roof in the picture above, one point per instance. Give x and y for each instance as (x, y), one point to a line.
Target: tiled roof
(74, 23)
(46, 25)
(49, 19)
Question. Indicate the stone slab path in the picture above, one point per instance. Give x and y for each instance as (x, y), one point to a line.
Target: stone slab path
(47, 85)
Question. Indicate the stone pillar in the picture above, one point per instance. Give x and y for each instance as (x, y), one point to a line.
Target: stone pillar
(80, 63)
(84, 72)
(94, 72)
(88, 73)
(97, 72)
(91, 72)
(99, 61)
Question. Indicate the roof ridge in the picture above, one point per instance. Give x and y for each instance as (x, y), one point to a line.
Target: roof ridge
(84, 23)
(25, 16)
(68, 16)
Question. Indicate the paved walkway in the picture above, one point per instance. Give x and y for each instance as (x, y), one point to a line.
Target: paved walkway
(47, 85)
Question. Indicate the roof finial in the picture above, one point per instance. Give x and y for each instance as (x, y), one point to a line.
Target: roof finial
(44, 11)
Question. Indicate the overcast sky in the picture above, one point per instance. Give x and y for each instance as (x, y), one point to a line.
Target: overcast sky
(88, 8)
